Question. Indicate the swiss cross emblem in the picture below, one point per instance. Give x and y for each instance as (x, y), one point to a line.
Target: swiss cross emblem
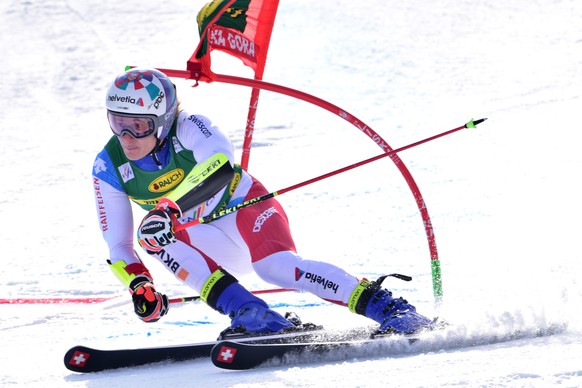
(226, 354)
(79, 358)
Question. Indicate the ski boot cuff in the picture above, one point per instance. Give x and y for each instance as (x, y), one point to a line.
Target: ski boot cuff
(361, 295)
(218, 281)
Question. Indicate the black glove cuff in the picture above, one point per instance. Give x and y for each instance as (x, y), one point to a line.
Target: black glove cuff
(138, 281)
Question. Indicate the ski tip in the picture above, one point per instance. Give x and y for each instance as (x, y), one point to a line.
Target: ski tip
(231, 355)
(77, 359)
(473, 123)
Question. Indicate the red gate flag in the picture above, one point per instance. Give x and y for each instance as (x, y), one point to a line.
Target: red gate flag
(241, 28)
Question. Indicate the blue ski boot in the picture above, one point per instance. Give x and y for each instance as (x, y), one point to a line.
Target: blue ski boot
(249, 315)
(395, 315)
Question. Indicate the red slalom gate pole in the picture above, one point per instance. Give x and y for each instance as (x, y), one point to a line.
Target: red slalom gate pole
(182, 299)
(53, 300)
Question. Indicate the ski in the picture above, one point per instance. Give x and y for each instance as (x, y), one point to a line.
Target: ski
(361, 343)
(85, 359)
(241, 356)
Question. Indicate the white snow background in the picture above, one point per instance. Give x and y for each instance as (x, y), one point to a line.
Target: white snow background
(504, 198)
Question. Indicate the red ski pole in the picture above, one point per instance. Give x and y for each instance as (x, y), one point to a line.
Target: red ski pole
(253, 201)
(185, 299)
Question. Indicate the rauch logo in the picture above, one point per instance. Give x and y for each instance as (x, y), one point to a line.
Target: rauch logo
(167, 181)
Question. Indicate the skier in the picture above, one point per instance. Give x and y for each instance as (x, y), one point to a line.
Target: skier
(153, 147)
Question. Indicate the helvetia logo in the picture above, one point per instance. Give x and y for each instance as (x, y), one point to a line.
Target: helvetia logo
(298, 273)
(126, 99)
(314, 278)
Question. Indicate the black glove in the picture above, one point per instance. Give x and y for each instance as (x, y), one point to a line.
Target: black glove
(148, 304)
(156, 231)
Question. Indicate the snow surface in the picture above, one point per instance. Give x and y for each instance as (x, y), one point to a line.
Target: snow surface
(504, 198)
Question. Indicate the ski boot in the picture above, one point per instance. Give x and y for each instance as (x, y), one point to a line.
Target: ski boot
(249, 314)
(395, 315)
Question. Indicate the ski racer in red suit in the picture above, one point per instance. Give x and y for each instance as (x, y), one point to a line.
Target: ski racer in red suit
(154, 145)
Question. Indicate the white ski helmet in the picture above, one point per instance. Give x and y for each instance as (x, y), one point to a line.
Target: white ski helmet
(143, 93)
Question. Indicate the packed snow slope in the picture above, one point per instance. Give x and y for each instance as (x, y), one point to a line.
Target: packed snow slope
(504, 198)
